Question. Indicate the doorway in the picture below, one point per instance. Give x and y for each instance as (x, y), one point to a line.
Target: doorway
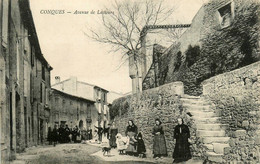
(11, 121)
(81, 124)
(25, 127)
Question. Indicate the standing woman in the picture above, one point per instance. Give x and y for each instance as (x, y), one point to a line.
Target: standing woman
(49, 137)
(55, 135)
(113, 132)
(159, 144)
(182, 146)
(131, 132)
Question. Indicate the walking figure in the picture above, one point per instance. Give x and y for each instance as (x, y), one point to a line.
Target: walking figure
(182, 147)
(159, 144)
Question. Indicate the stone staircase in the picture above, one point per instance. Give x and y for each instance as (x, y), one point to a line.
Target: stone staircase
(209, 129)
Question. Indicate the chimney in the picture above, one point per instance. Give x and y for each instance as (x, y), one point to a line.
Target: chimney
(57, 79)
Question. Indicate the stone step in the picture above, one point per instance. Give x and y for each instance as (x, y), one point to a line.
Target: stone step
(194, 101)
(211, 153)
(208, 140)
(206, 120)
(203, 114)
(196, 106)
(214, 157)
(210, 133)
(219, 147)
(209, 146)
(211, 126)
(196, 111)
(191, 97)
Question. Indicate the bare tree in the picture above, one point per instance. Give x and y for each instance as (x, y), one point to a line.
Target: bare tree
(125, 29)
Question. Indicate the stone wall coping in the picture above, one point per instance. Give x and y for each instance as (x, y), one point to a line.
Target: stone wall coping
(173, 84)
(242, 69)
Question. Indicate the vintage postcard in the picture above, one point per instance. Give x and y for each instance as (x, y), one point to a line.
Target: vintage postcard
(129, 81)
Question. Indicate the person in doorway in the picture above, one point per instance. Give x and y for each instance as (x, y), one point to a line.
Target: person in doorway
(182, 150)
(112, 135)
(61, 134)
(55, 135)
(75, 133)
(90, 134)
(67, 133)
(49, 136)
(131, 132)
(106, 131)
(159, 143)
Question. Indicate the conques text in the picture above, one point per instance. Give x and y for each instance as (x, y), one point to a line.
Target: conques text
(61, 12)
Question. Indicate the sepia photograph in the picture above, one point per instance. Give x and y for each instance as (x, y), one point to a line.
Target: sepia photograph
(130, 81)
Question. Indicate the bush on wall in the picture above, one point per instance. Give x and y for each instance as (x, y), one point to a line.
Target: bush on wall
(192, 55)
(221, 50)
(119, 105)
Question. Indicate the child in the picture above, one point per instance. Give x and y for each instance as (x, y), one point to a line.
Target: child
(140, 146)
(121, 143)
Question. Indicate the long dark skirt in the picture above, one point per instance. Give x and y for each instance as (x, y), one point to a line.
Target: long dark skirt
(182, 150)
(159, 146)
(131, 149)
(113, 137)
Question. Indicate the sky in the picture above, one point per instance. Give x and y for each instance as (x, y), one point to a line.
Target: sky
(71, 53)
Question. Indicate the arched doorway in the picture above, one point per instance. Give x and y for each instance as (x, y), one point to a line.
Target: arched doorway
(80, 124)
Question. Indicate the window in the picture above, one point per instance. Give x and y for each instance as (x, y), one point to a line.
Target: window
(32, 55)
(41, 92)
(31, 87)
(105, 109)
(4, 22)
(99, 108)
(88, 112)
(77, 114)
(25, 78)
(47, 96)
(226, 15)
(105, 97)
(96, 94)
(36, 67)
(43, 73)
(17, 59)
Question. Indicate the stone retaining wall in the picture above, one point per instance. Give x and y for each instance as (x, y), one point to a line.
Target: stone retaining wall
(163, 103)
(236, 95)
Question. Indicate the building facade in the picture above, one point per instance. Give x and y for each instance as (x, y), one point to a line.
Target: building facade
(25, 80)
(71, 110)
(90, 92)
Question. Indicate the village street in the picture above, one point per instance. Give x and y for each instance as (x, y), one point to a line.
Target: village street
(80, 153)
(129, 81)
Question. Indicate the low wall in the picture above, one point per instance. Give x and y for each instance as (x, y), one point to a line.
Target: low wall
(236, 95)
(163, 103)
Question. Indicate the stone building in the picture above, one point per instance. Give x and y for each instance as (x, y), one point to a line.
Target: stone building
(223, 36)
(89, 92)
(25, 80)
(72, 110)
